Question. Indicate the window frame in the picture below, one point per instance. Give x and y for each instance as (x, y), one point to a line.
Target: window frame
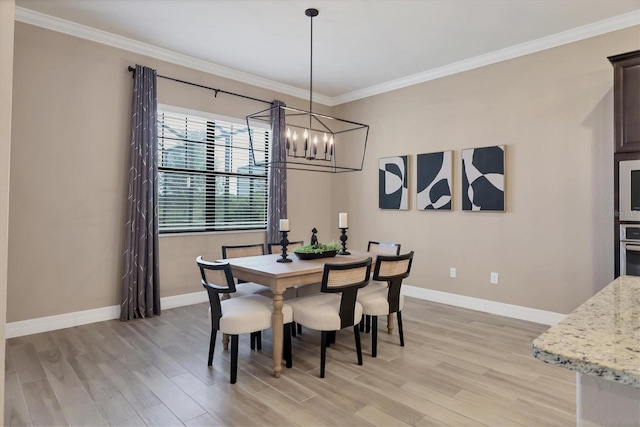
(210, 174)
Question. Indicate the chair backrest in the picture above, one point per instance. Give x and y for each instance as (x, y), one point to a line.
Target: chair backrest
(393, 269)
(216, 279)
(237, 251)
(347, 279)
(384, 248)
(275, 248)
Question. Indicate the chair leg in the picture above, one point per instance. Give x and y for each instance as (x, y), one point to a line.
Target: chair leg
(234, 359)
(212, 345)
(399, 314)
(287, 345)
(356, 333)
(323, 351)
(332, 337)
(293, 329)
(362, 324)
(225, 341)
(368, 324)
(299, 328)
(259, 340)
(252, 338)
(374, 336)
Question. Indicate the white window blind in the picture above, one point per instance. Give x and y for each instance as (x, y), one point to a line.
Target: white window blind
(206, 177)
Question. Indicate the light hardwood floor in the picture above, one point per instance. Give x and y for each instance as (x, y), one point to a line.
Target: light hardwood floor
(458, 368)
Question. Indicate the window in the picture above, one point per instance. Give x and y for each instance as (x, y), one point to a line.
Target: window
(207, 180)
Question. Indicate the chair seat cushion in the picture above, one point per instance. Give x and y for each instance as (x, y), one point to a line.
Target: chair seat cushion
(250, 313)
(250, 288)
(375, 303)
(320, 312)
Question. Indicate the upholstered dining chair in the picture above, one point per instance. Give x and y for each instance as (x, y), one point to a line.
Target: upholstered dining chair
(383, 248)
(328, 312)
(382, 301)
(248, 314)
(378, 248)
(250, 288)
(238, 251)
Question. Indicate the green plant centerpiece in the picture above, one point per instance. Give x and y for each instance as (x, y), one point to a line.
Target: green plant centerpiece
(316, 249)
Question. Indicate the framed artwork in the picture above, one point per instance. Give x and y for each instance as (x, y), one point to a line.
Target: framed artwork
(393, 192)
(434, 176)
(483, 179)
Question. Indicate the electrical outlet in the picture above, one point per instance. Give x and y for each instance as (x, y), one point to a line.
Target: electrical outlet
(452, 272)
(494, 278)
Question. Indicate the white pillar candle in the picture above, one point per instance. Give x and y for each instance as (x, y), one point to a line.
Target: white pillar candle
(284, 225)
(342, 220)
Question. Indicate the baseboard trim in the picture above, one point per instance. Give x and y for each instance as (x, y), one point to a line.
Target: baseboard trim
(68, 320)
(477, 304)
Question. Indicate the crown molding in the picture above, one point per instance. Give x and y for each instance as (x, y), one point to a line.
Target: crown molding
(82, 31)
(52, 23)
(576, 34)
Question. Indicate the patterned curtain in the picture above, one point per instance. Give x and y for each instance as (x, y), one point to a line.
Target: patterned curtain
(140, 282)
(277, 200)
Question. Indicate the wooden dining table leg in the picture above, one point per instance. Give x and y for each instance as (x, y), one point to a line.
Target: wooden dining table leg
(390, 323)
(278, 335)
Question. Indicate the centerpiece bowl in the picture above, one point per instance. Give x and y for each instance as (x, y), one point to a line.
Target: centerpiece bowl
(318, 250)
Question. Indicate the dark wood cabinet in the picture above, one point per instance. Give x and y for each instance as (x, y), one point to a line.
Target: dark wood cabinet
(626, 118)
(626, 101)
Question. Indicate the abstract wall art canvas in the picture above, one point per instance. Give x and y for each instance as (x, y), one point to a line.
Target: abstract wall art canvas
(434, 175)
(393, 192)
(483, 179)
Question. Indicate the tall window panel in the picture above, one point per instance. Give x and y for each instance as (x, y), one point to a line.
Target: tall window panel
(207, 178)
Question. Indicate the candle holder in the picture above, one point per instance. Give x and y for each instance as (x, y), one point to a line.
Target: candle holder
(284, 242)
(343, 239)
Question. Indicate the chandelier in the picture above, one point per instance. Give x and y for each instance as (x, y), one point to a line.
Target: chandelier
(311, 141)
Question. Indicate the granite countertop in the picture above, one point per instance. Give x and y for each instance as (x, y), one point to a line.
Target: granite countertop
(601, 337)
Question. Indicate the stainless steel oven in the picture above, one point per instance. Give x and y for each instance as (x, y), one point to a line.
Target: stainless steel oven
(629, 190)
(630, 249)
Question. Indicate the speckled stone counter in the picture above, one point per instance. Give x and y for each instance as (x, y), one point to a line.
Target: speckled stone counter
(601, 337)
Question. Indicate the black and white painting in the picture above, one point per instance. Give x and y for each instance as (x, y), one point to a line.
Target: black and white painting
(434, 180)
(393, 192)
(483, 179)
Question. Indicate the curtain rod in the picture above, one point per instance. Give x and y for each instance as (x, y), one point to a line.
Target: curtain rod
(133, 70)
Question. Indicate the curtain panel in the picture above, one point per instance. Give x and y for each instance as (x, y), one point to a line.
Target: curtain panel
(277, 200)
(140, 281)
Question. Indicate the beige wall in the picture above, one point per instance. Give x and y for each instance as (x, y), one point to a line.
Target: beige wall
(7, 12)
(553, 247)
(72, 101)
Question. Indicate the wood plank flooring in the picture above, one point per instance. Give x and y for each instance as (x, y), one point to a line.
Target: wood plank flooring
(458, 368)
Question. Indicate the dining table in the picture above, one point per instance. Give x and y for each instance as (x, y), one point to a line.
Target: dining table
(278, 276)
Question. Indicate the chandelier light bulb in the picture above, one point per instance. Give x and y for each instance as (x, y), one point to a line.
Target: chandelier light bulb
(287, 141)
(325, 138)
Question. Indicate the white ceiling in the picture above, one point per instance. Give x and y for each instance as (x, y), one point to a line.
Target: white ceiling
(360, 47)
